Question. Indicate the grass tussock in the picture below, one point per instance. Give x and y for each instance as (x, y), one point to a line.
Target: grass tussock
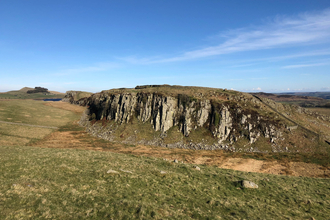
(41, 183)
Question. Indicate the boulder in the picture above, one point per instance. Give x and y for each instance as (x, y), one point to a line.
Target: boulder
(248, 184)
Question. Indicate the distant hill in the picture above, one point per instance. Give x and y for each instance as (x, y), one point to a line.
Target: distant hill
(308, 99)
(24, 89)
(23, 94)
(323, 95)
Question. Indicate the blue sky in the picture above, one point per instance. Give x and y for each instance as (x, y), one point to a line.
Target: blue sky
(255, 45)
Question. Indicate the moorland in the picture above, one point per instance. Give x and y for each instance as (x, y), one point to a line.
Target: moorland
(52, 168)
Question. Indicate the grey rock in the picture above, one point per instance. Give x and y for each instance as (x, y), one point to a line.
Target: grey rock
(197, 168)
(162, 172)
(176, 161)
(249, 184)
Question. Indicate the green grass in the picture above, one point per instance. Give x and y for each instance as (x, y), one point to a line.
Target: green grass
(82, 94)
(40, 183)
(33, 113)
(191, 91)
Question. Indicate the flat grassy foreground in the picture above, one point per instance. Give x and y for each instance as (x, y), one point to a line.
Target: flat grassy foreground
(44, 183)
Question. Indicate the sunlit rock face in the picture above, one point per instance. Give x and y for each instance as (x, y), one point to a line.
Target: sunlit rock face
(227, 121)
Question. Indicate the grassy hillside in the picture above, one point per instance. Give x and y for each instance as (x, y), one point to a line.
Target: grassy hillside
(81, 94)
(42, 183)
(192, 91)
(33, 113)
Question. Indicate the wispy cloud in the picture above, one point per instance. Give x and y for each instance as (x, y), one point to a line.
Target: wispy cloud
(256, 89)
(303, 29)
(305, 65)
(251, 62)
(95, 68)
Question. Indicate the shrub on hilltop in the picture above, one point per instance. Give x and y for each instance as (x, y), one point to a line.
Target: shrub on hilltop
(38, 90)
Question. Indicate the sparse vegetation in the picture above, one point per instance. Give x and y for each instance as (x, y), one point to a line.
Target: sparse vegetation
(74, 184)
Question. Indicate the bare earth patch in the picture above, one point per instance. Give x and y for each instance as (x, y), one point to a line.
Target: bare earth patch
(82, 140)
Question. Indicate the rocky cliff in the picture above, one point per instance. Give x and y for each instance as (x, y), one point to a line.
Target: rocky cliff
(228, 117)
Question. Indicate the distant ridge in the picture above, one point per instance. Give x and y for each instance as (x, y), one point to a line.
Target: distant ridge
(24, 93)
(24, 89)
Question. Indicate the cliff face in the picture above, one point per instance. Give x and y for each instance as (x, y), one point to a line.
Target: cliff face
(228, 121)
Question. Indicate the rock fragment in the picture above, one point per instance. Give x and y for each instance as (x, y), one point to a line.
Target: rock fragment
(112, 171)
(125, 171)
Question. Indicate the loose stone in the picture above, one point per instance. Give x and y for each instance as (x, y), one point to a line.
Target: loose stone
(112, 171)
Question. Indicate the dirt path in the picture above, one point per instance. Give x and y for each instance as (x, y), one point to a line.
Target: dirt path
(38, 126)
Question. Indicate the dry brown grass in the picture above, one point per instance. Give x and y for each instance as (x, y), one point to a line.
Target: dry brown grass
(32, 113)
(192, 91)
(66, 106)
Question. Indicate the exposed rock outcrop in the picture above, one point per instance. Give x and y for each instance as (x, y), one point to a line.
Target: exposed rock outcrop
(227, 120)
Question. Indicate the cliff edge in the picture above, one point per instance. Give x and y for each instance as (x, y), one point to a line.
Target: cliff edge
(191, 117)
